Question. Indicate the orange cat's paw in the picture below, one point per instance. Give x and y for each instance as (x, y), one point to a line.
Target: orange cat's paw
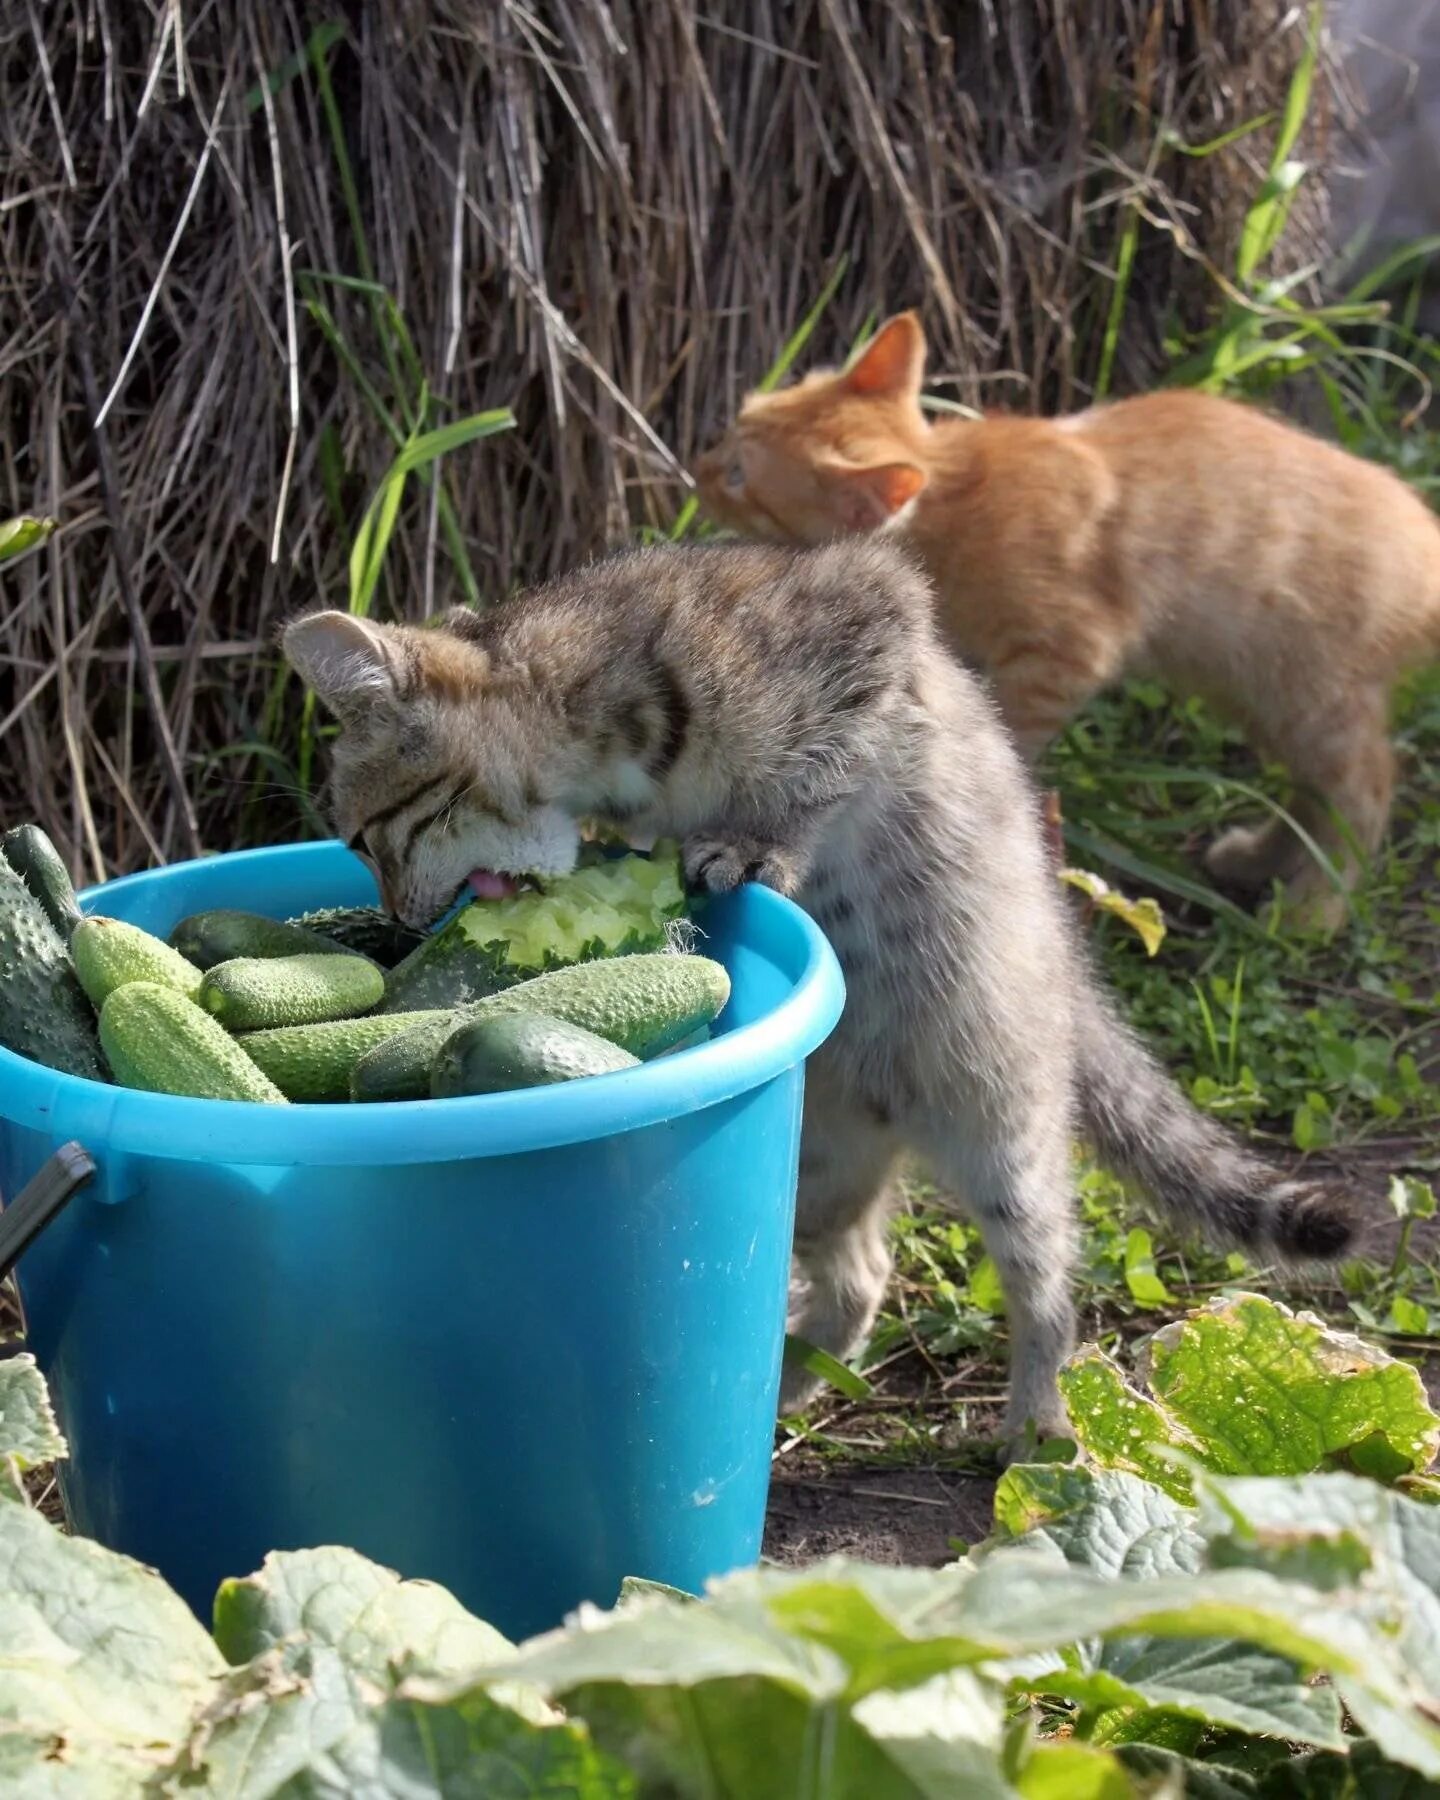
(1246, 856)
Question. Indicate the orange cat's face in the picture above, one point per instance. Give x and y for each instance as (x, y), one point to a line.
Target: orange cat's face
(837, 453)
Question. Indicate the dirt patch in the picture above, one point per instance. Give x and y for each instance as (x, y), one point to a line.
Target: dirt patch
(889, 1516)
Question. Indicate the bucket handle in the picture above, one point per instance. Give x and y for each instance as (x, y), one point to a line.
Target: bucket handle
(37, 1203)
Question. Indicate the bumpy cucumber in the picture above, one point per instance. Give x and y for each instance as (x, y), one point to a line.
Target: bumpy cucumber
(520, 1050)
(222, 935)
(158, 1040)
(109, 952)
(365, 930)
(314, 1062)
(43, 1011)
(258, 993)
(644, 1003)
(36, 861)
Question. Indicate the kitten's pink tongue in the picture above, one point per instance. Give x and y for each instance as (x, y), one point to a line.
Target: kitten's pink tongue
(489, 884)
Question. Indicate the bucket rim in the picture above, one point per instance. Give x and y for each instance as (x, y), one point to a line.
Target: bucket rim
(109, 1119)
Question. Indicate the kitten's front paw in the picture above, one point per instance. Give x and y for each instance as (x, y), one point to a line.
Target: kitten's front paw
(719, 865)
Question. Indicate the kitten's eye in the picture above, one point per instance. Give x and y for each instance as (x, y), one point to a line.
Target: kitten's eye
(735, 477)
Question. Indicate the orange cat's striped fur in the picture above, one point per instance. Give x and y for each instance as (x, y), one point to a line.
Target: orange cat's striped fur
(1177, 535)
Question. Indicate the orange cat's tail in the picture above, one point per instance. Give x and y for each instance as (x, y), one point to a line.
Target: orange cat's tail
(1142, 1126)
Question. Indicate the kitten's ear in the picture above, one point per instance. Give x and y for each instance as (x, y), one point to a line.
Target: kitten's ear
(865, 499)
(892, 364)
(350, 663)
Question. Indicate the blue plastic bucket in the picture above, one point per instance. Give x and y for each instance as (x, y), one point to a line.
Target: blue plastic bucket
(523, 1344)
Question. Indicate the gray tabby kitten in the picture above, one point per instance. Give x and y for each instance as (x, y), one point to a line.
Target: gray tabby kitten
(792, 718)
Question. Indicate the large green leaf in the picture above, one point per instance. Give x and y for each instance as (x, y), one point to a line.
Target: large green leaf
(298, 1722)
(35, 1765)
(1071, 1771)
(1364, 1774)
(1244, 1386)
(1194, 1779)
(1266, 1391)
(94, 1648)
(29, 1435)
(1120, 1427)
(1099, 1519)
(382, 1626)
(1377, 1551)
(1121, 1527)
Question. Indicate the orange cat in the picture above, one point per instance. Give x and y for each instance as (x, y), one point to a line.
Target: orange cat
(1175, 535)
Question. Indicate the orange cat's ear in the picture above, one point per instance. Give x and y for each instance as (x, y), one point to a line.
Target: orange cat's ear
(351, 663)
(893, 362)
(867, 498)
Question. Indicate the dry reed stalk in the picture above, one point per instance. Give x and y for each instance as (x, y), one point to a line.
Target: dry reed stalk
(607, 216)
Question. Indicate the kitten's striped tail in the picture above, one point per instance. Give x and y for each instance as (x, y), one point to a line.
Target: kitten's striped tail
(1142, 1126)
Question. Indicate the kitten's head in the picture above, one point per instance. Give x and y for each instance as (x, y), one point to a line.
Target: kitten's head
(837, 453)
(446, 769)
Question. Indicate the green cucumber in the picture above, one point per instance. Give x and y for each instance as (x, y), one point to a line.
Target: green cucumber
(314, 1062)
(158, 1040)
(609, 908)
(43, 1010)
(110, 952)
(644, 1003)
(520, 1050)
(259, 993)
(365, 930)
(222, 935)
(36, 861)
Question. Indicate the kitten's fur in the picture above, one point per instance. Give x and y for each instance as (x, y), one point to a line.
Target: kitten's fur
(791, 717)
(1176, 534)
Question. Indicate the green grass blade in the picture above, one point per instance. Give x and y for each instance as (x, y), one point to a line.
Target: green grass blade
(798, 338)
(1115, 313)
(317, 46)
(423, 450)
(829, 1368)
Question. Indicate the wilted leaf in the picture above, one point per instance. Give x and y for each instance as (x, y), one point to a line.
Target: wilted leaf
(382, 1626)
(1144, 916)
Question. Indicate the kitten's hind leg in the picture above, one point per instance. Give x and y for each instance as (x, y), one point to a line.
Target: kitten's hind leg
(842, 1252)
(1012, 1178)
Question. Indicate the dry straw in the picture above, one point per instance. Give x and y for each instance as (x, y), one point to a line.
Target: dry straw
(608, 218)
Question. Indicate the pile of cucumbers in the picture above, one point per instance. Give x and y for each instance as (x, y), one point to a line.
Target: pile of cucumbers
(237, 1006)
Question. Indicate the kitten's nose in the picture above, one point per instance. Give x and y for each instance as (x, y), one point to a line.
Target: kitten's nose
(707, 465)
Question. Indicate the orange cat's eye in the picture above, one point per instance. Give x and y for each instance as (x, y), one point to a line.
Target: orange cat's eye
(735, 477)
